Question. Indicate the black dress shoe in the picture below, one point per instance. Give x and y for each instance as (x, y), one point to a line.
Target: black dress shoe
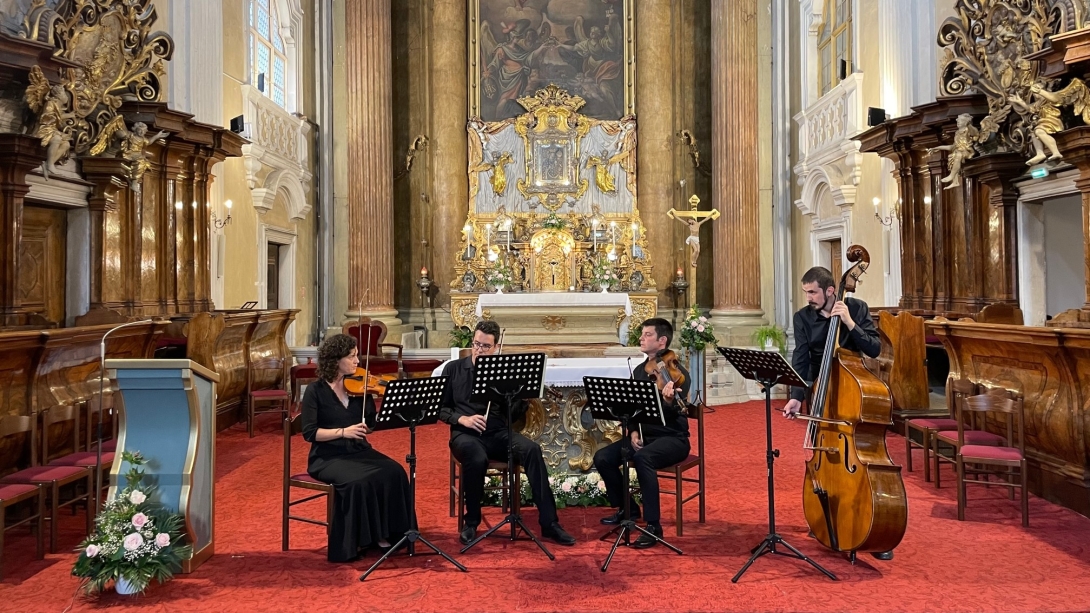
(883, 555)
(645, 541)
(467, 534)
(557, 534)
(618, 517)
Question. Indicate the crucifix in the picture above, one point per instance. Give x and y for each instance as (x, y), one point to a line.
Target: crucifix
(693, 219)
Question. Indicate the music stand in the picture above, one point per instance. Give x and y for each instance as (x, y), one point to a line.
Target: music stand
(503, 379)
(411, 403)
(768, 368)
(627, 401)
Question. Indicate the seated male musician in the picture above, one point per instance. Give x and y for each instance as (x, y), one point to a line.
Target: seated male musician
(811, 323)
(474, 440)
(658, 447)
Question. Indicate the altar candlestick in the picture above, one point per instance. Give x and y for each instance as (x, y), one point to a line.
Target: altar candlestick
(594, 232)
(613, 232)
(635, 233)
(469, 238)
(488, 236)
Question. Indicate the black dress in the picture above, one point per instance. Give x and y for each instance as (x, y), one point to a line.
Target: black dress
(372, 491)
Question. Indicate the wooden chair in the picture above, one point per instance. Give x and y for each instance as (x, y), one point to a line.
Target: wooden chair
(303, 480)
(110, 423)
(50, 478)
(301, 375)
(58, 418)
(458, 493)
(677, 473)
(904, 357)
(13, 494)
(1001, 313)
(1002, 458)
(928, 426)
(278, 396)
(373, 330)
(972, 432)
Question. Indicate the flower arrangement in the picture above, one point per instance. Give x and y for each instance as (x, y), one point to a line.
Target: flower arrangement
(135, 539)
(461, 337)
(500, 275)
(696, 331)
(603, 274)
(553, 222)
(569, 490)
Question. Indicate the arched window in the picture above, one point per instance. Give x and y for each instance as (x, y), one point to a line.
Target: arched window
(834, 43)
(268, 57)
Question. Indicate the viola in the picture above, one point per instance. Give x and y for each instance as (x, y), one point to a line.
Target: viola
(853, 496)
(361, 383)
(666, 369)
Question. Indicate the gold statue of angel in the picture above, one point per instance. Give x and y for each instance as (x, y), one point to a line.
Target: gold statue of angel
(51, 104)
(602, 178)
(1042, 113)
(133, 150)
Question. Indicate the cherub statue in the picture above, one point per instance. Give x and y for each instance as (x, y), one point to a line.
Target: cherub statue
(133, 145)
(51, 104)
(1043, 115)
(963, 148)
(499, 175)
(602, 178)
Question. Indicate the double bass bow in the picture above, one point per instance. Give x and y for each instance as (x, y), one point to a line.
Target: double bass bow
(853, 495)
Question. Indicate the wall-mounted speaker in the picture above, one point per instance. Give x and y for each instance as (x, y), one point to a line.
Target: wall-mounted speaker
(261, 82)
(875, 116)
(842, 69)
(238, 124)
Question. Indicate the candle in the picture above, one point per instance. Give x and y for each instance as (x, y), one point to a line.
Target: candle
(510, 230)
(594, 232)
(469, 238)
(488, 236)
(613, 232)
(635, 233)
(423, 271)
(679, 272)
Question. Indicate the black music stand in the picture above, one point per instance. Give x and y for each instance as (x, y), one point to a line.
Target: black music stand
(627, 401)
(411, 403)
(503, 379)
(768, 368)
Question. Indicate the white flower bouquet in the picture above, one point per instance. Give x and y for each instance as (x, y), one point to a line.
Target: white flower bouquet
(569, 490)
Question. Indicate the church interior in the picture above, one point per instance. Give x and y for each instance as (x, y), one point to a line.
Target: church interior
(197, 193)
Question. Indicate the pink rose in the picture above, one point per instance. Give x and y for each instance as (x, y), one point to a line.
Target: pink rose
(566, 486)
(602, 485)
(700, 328)
(694, 323)
(162, 539)
(136, 497)
(133, 542)
(91, 551)
(139, 520)
(703, 319)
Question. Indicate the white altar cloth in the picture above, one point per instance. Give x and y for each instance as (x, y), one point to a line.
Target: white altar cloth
(554, 299)
(569, 372)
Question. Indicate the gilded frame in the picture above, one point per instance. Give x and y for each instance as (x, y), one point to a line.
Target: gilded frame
(474, 63)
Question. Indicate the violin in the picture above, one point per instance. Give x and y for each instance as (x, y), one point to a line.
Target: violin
(665, 369)
(361, 382)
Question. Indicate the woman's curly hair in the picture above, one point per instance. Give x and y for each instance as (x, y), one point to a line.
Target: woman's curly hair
(330, 352)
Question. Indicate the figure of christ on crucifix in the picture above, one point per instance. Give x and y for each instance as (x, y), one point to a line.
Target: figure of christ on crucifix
(693, 219)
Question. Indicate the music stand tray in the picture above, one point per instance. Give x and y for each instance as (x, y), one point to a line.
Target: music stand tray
(768, 368)
(627, 401)
(408, 403)
(503, 379)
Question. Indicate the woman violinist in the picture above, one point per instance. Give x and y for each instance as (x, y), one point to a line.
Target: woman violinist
(659, 446)
(371, 502)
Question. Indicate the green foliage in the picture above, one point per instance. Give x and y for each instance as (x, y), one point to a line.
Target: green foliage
(569, 490)
(553, 222)
(696, 331)
(634, 332)
(771, 334)
(603, 274)
(500, 275)
(461, 337)
(135, 538)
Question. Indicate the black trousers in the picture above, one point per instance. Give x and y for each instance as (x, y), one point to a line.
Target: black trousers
(474, 452)
(657, 453)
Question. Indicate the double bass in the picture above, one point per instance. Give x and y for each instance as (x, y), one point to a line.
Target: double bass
(852, 495)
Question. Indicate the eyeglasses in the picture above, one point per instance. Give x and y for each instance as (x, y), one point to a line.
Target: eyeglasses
(482, 346)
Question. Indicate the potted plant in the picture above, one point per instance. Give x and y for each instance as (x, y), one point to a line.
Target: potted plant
(500, 275)
(766, 336)
(135, 540)
(461, 337)
(603, 276)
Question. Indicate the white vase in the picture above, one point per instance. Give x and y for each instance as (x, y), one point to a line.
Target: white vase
(605, 288)
(125, 587)
(499, 290)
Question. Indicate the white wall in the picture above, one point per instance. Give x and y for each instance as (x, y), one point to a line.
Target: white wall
(1063, 246)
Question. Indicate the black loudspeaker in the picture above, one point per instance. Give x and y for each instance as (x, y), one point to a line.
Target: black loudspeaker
(875, 116)
(843, 69)
(238, 125)
(261, 82)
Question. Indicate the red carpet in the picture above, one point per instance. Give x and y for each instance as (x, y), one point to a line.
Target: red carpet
(988, 563)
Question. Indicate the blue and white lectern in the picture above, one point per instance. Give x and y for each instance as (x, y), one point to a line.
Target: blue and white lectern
(168, 412)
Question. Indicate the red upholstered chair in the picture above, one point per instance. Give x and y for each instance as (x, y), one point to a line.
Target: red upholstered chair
(17, 432)
(12, 494)
(301, 480)
(928, 426)
(458, 493)
(261, 370)
(994, 459)
(973, 431)
(677, 473)
(65, 419)
(302, 374)
(369, 334)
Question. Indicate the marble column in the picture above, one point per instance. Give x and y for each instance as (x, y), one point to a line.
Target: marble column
(370, 161)
(655, 108)
(735, 179)
(449, 192)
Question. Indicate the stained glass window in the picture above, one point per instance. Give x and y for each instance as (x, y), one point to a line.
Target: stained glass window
(834, 43)
(267, 51)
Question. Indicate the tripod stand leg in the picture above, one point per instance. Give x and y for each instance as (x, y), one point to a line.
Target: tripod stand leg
(635, 526)
(388, 553)
(487, 534)
(442, 553)
(623, 532)
(804, 558)
(533, 537)
(758, 551)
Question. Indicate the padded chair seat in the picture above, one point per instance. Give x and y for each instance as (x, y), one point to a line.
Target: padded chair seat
(692, 459)
(938, 423)
(42, 474)
(84, 458)
(303, 371)
(12, 490)
(990, 452)
(380, 366)
(972, 437)
(110, 445)
(305, 477)
(269, 394)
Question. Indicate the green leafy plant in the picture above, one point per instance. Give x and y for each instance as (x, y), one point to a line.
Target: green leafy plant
(696, 331)
(634, 332)
(770, 335)
(461, 337)
(569, 490)
(553, 222)
(135, 538)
